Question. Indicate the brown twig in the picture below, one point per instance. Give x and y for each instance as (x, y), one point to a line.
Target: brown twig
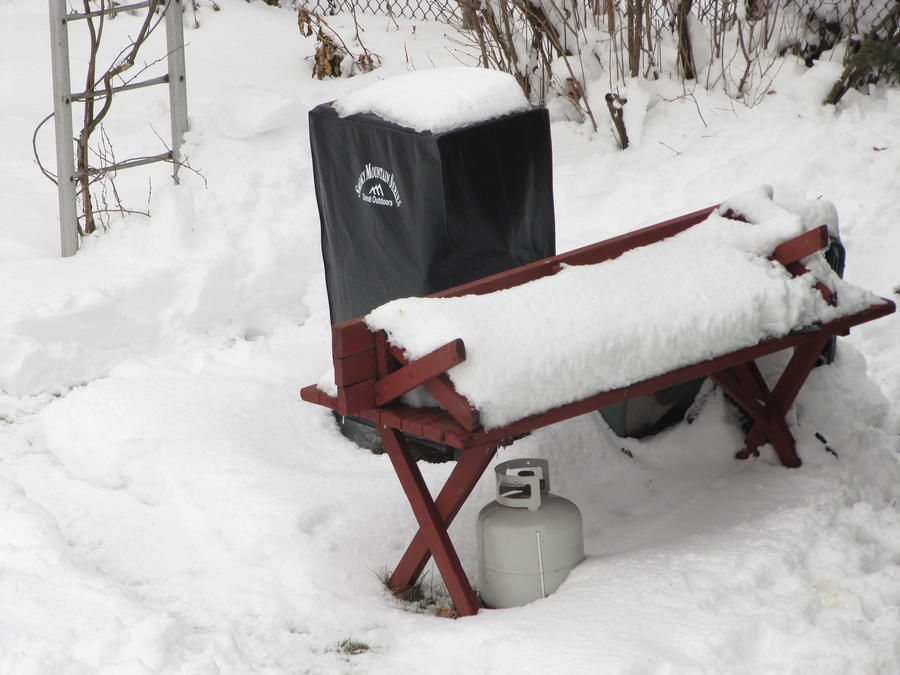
(37, 157)
(615, 104)
(92, 119)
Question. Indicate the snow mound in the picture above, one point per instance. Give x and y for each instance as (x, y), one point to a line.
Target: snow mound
(438, 100)
(705, 292)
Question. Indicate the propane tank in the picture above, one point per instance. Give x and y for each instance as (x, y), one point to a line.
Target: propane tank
(528, 539)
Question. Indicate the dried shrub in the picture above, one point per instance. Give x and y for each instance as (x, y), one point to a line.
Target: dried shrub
(875, 58)
(557, 49)
(333, 57)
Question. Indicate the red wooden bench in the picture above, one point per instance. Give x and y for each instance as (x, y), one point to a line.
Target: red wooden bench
(372, 375)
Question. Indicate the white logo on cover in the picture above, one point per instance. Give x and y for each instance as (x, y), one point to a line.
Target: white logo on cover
(377, 186)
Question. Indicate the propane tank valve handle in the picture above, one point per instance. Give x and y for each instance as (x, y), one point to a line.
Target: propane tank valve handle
(517, 484)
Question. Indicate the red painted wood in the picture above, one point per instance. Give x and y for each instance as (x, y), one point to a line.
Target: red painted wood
(354, 368)
(414, 423)
(734, 215)
(826, 292)
(431, 524)
(453, 495)
(752, 382)
(779, 434)
(351, 337)
(749, 374)
(782, 398)
(798, 270)
(797, 370)
(393, 415)
(417, 372)
(356, 398)
(799, 247)
(312, 394)
(462, 439)
(774, 425)
(382, 357)
(438, 430)
(443, 390)
(458, 406)
(745, 398)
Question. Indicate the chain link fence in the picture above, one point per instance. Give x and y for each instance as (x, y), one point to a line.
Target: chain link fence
(549, 45)
(853, 16)
(422, 10)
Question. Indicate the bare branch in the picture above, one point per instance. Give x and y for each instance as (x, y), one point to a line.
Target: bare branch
(37, 157)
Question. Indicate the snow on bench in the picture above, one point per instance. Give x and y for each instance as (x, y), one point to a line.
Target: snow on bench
(707, 291)
(704, 294)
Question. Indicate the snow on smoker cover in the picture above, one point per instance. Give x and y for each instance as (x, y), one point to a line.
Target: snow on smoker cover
(705, 292)
(438, 100)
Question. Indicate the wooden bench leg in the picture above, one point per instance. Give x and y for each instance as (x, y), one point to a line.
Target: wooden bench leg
(431, 525)
(456, 490)
(774, 428)
(768, 408)
(784, 394)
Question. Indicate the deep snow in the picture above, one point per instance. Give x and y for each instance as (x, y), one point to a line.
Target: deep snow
(167, 504)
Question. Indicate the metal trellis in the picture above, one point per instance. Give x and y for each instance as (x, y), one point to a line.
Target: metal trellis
(63, 99)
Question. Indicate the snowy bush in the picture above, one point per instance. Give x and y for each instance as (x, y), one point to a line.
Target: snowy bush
(569, 53)
(333, 57)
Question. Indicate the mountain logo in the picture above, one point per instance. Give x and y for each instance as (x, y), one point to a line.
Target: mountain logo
(376, 185)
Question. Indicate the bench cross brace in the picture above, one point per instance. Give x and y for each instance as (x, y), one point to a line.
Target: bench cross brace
(746, 386)
(435, 517)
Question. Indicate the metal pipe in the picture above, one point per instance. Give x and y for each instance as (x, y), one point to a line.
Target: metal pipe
(75, 16)
(101, 93)
(128, 164)
(177, 81)
(62, 119)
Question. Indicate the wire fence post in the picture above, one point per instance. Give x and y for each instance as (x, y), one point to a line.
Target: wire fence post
(177, 83)
(62, 117)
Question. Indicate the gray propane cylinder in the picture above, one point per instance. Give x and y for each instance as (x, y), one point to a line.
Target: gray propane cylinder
(528, 539)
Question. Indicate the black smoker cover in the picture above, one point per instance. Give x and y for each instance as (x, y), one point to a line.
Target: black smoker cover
(407, 213)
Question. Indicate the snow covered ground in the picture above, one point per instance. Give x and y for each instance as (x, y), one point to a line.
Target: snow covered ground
(169, 505)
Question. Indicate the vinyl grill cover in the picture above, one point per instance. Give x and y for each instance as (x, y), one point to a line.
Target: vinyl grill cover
(408, 213)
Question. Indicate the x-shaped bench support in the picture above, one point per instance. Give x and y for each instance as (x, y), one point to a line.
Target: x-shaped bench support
(746, 386)
(435, 517)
